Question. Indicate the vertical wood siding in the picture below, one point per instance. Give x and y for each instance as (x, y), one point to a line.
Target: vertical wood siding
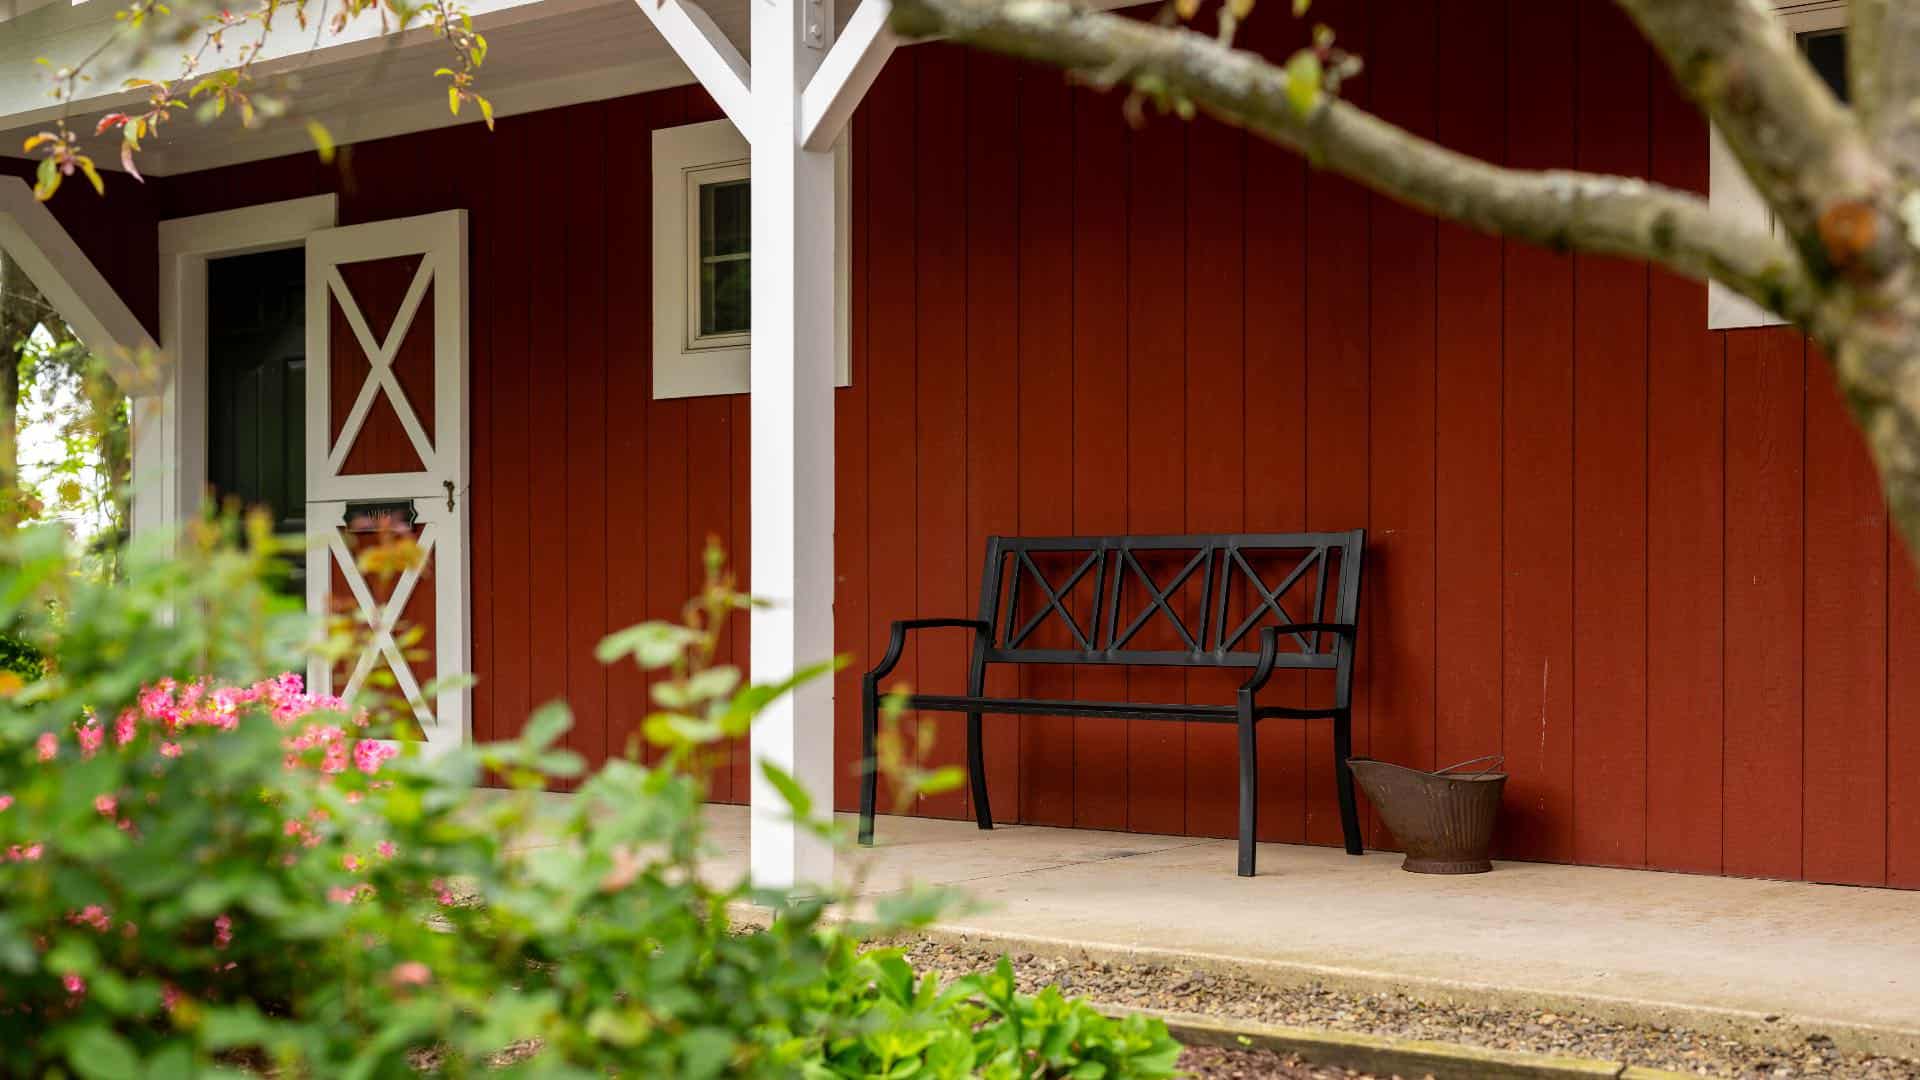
(1645, 561)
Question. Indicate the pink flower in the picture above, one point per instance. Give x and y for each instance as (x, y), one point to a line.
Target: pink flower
(5, 802)
(74, 983)
(222, 931)
(90, 738)
(351, 862)
(370, 754)
(125, 726)
(94, 916)
(169, 996)
(105, 804)
(169, 749)
(441, 892)
(411, 973)
(385, 848)
(48, 745)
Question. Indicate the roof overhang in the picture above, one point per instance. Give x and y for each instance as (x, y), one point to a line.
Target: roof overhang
(360, 83)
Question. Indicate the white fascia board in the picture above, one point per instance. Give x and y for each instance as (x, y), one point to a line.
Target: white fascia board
(64, 34)
(704, 48)
(425, 112)
(844, 76)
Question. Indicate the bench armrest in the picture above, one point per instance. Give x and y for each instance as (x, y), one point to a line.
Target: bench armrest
(1344, 629)
(897, 643)
(1270, 647)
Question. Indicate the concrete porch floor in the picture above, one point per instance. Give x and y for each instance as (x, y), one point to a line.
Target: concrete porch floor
(1774, 960)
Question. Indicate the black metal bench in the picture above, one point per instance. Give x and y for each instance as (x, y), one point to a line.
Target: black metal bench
(1020, 603)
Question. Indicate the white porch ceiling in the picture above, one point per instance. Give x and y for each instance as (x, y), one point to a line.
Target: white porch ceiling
(542, 54)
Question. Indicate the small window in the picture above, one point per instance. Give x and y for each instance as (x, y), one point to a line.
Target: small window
(719, 247)
(1827, 51)
(703, 260)
(1820, 28)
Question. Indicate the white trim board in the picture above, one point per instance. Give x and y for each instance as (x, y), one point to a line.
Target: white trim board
(680, 370)
(172, 467)
(1729, 191)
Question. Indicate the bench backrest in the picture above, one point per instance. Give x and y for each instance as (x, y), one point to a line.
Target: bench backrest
(1180, 601)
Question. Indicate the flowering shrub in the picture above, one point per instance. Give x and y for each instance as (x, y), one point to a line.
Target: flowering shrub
(225, 871)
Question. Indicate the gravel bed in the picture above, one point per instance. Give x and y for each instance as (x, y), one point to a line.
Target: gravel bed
(1156, 986)
(1213, 1063)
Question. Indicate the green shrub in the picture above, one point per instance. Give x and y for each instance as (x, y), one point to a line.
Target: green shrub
(226, 872)
(21, 658)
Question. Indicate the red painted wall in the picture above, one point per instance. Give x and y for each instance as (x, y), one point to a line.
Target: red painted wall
(1645, 561)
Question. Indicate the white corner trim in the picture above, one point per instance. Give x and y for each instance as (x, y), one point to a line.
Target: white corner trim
(680, 371)
(172, 467)
(844, 76)
(707, 52)
(1731, 194)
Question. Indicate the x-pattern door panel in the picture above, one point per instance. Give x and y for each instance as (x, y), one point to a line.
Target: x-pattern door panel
(386, 436)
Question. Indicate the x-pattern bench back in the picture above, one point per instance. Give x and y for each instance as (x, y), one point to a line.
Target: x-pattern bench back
(1019, 595)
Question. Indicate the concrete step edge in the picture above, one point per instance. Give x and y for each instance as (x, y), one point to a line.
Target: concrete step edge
(1386, 1055)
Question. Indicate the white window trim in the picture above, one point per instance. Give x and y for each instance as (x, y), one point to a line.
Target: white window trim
(683, 364)
(1729, 191)
(176, 461)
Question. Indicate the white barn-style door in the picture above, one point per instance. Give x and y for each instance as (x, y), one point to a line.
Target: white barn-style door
(386, 442)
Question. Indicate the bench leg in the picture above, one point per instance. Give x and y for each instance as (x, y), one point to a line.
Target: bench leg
(1249, 788)
(977, 772)
(869, 764)
(1343, 782)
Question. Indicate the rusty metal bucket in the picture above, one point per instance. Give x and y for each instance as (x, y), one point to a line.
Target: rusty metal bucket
(1443, 819)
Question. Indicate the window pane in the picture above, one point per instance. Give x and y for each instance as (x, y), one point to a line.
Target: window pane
(725, 304)
(725, 236)
(1827, 51)
(725, 225)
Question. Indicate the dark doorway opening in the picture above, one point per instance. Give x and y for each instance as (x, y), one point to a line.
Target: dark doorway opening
(256, 387)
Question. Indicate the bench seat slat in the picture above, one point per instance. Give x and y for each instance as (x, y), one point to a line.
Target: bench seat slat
(1118, 710)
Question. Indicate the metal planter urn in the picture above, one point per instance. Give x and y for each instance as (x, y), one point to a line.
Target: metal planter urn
(1443, 819)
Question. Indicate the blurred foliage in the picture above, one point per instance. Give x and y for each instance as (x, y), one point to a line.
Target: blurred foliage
(204, 868)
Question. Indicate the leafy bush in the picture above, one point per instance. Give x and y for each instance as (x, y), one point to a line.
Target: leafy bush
(229, 872)
(21, 658)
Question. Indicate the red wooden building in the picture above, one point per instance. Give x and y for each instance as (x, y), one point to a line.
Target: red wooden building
(1643, 558)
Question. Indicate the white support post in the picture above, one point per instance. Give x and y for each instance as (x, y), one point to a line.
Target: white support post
(791, 374)
(844, 76)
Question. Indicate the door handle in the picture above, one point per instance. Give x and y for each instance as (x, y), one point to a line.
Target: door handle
(449, 485)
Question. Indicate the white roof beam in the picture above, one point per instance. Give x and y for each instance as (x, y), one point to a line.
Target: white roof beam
(67, 278)
(704, 48)
(836, 89)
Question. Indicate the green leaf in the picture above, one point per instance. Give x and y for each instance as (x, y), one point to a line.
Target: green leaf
(47, 180)
(96, 1052)
(653, 645)
(715, 682)
(796, 796)
(1303, 81)
(546, 725)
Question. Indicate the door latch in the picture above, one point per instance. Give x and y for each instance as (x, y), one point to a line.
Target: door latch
(449, 485)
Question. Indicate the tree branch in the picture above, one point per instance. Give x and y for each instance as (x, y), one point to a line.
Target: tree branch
(1806, 153)
(1882, 40)
(1564, 210)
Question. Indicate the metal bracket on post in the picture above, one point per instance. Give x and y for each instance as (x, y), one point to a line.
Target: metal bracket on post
(815, 33)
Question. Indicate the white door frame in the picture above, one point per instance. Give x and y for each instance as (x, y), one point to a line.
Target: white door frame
(170, 470)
